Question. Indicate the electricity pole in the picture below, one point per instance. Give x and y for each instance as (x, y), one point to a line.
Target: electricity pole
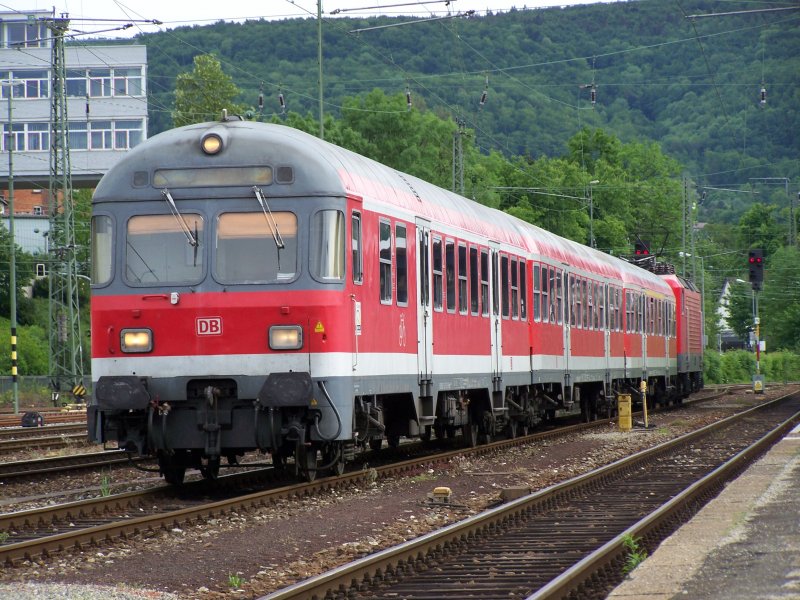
(66, 365)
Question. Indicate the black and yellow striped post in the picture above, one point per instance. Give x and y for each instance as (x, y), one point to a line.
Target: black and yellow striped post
(79, 392)
(12, 288)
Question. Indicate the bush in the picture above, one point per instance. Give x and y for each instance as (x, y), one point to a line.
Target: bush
(739, 366)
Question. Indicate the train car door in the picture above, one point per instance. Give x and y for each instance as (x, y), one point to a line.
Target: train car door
(569, 312)
(425, 315)
(497, 325)
(606, 321)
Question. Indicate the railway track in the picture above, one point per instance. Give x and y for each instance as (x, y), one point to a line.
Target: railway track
(565, 541)
(50, 436)
(44, 531)
(61, 464)
(50, 417)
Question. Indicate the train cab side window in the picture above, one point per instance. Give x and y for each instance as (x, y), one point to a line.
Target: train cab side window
(450, 274)
(385, 260)
(438, 278)
(495, 285)
(102, 249)
(573, 309)
(462, 279)
(598, 308)
(504, 285)
(537, 293)
(355, 249)
(627, 312)
(474, 283)
(514, 288)
(485, 283)
(159, 252)
(327, 246)
(589, 306)
(523, 287)
(545, 295)
(401, 256)
(559, 297)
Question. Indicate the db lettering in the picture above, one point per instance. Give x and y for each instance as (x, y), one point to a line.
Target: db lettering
(209, 326)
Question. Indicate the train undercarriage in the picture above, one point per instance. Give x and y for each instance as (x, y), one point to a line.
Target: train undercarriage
(213, 428)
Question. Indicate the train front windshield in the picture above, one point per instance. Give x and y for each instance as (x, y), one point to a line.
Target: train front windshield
(252, 248)
(245, 248)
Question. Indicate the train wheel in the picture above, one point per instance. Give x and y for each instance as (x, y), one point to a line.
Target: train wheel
(375, 443)
(305, 459)
(393, 440)
(210, 470)
(511, 429)
(334, 457)
(440, 430)
(471, 434)
(487, 427)
(426, 434)
(173, 471)
(278, 460)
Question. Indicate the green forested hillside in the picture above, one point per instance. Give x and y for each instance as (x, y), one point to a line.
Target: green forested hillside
(677, 135)
(691, 85)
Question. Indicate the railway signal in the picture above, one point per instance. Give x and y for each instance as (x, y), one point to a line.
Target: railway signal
(755, 265)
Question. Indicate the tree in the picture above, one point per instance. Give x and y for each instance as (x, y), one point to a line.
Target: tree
(23, 274)
(202, 94)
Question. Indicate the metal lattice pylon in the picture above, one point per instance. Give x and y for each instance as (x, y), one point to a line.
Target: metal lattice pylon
(66, 367)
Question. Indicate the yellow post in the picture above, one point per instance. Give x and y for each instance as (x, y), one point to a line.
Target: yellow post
(643, 389)
(624, 409)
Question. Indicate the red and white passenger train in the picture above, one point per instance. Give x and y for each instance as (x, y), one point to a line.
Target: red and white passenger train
(256, 288)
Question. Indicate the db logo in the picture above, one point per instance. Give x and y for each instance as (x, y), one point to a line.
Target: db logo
(209, 325)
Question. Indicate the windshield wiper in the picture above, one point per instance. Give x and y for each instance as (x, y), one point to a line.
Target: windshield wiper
(273, 225)
(192, 238)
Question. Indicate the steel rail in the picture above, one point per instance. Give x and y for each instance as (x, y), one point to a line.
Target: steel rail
(348, 579)
(114, 508)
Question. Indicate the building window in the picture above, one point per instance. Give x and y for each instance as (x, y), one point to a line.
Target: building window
(16, 141)
(128, 81)
(22, 34)
(38, 136)
(76, 84)
(37, 210)
(78, 136)
(100, 135)
(127, 134)
(99, 83)
(26, 83)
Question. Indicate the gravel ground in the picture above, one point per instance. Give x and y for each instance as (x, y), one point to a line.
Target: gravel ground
(250, 554)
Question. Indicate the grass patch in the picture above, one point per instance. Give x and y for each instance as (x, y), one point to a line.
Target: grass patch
(636, 554)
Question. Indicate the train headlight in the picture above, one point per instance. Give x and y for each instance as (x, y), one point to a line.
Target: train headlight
(211, 143)
(285, 337)
(136, 340)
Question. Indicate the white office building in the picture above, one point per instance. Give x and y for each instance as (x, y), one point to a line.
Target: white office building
(106, 100)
